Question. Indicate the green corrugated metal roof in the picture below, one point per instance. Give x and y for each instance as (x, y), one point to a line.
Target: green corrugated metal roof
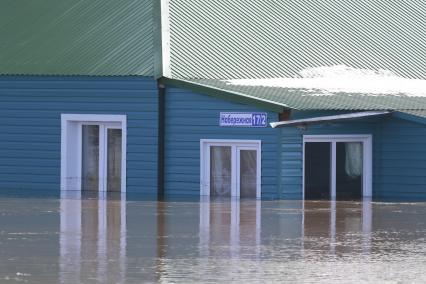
(76, 37)
(307, 99)
(213, 41)
(219, 39)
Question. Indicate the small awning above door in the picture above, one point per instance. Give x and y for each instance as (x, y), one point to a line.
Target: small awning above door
(331, 118)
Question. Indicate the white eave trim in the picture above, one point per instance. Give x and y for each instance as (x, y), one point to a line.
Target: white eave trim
(322, 119)
(165, 37)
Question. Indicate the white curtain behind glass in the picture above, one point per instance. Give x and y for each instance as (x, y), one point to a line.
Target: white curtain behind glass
(220, 170)
(353, 159)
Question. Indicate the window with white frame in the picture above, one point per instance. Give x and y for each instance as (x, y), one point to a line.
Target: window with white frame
(93, 152)
(230, 168)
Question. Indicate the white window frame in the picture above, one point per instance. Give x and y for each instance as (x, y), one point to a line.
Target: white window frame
(236, 145)
(71, 147)
(366, 139)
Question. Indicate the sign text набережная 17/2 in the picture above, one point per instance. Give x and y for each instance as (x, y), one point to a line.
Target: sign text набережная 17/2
(243, 119)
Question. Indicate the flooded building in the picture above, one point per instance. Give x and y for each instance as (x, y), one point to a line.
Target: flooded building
(199, 98)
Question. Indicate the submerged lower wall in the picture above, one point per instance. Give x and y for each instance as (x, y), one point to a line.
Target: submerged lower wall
(30, 124)
(399, 156)
(191, 117)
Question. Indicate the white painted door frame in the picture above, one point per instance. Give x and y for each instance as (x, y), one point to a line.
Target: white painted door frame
(365, 139)
(71, 147)
(236, 147)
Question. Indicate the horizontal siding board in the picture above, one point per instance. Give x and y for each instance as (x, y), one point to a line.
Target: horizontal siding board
(406, 158)
(52, 176)
(191, 117)
(292, 155)
(394, 166)
(67, 82)
(407, 140)
(26, 185)
(33, 146)
(30, 115)
(47, 96)
(291, 180)
(396, 190)
(291, 172)
(100, 107)
(292, 164)
(396, 147)
(12, 114)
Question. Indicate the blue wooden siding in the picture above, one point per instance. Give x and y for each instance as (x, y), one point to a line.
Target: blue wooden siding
(30, 122)
(399, 156)
(402, 160)
(191, 117)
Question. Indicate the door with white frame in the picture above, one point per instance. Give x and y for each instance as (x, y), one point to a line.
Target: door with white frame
(337, 166)
(230, 168)
(93, 153)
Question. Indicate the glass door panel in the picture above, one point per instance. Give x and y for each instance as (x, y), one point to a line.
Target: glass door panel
(220, 170)
(349, 170)
(337, 169)
(101, 161)
(114, 159)
(248, 173)
(317, 170)
(90, 158)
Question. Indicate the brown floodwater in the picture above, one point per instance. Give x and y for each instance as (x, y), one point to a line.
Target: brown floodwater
(113, 240)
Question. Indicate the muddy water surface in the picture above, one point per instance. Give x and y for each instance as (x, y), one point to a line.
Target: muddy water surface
(113, 240)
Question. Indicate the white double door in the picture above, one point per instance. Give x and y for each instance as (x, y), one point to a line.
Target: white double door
(101, 157)
(231, 169)
(337, 166)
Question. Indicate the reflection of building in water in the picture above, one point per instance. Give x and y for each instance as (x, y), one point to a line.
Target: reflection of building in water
(330, 223)
(93, 239)
(229, 225)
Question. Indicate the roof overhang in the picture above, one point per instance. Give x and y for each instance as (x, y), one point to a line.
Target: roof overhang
(331, 118)
(224, 94)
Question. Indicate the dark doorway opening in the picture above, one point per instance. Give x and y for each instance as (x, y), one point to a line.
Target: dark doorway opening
(317, 170)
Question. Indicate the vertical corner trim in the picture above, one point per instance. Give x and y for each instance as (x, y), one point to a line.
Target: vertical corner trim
(165, 37)
(161, 141)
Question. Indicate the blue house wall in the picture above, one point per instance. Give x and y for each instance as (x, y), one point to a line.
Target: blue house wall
(190, 117)
(399, 155)
(30, 116)
(401, 162)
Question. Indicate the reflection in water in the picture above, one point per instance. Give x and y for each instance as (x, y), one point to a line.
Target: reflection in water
(106, 240)
(93, 239)
(228, 225)
(338, 221)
